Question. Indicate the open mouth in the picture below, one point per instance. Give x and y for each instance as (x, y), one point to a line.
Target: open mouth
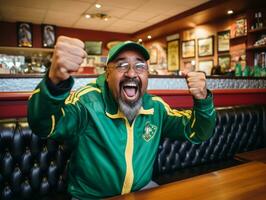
(130, 91)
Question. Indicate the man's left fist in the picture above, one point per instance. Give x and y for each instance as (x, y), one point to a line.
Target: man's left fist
(196, 82)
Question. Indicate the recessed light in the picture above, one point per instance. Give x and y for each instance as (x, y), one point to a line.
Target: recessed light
(87, 16)
(149, 37)
(230, 12)
(139, 40)
(105, 19)
(97, 5)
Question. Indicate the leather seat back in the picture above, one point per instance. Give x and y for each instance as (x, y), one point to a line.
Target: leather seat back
(31, 167)
(238, 129)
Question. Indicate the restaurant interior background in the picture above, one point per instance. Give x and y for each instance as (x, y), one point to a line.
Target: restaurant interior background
(218, 37)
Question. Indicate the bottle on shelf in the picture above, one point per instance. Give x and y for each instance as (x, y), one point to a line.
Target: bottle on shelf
(238, 70)
(260, 20)
(246, 71)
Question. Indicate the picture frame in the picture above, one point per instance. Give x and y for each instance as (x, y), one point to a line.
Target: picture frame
(173, 60)
(90, 61)
(205, 46)
(223, 41)
(205, 66)
(24, 34)
(48, 35)
(240, 27)
(224, 62)
(188, 49)
(153, 55)
(93, 47)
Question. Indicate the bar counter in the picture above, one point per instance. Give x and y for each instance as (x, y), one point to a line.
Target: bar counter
(245, 181)
(228, 91)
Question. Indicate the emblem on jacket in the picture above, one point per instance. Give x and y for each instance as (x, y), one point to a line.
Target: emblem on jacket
(149, 131)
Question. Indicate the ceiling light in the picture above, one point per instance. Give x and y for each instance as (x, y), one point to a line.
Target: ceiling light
(149, 37)
(87, 16)
(230, 12)
(139, 40)
(97, 5)
(103, 16)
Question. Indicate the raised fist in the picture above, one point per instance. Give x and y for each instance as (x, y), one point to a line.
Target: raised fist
(196, 82)
(68, 56)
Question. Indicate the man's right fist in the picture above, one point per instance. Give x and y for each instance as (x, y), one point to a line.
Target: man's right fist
(68, 56)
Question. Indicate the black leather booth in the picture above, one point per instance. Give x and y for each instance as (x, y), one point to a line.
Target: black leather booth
(34, 168)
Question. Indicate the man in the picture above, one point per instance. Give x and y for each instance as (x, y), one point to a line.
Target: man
(113, 125)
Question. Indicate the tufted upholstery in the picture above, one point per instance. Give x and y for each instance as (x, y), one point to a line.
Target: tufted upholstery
(31, 167)
(238, 129)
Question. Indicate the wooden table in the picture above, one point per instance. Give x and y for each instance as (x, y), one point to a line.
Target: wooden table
(256, 155)
(243, 182)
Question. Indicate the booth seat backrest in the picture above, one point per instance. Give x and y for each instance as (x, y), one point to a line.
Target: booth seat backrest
(31, 167)
(238, 129)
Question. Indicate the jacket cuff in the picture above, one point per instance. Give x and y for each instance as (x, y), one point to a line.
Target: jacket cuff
(204, 103)
(57, 92)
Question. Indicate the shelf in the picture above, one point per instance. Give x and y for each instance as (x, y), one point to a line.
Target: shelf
(25, 51)
(257, 30)
(253, 48)
(239, 37)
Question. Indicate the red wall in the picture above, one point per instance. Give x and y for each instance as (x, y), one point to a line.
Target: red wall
(8, 35)
(14, 104)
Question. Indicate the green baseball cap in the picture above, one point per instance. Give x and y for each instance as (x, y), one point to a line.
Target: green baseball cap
(115, 50)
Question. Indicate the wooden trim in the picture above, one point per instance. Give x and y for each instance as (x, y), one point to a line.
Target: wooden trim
(14, 96)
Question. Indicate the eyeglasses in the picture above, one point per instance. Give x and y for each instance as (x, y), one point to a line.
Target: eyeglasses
(139, 67)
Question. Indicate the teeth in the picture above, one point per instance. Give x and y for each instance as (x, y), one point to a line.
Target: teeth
(130, 85)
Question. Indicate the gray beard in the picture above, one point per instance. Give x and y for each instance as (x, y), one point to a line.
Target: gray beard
(130, 111)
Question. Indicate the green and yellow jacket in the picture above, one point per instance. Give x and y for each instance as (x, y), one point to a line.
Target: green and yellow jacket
(110, 156)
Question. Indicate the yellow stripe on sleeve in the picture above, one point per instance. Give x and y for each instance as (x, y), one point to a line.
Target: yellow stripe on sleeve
(173, 112)
(194, 119)
(192, 134)
(34, 92)
(53, 125)
(79, 94)
(63, 111)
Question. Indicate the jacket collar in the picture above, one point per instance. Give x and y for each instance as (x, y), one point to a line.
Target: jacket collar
(111, 107)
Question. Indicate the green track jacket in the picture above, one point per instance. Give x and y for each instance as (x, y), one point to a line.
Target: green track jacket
(109, 155)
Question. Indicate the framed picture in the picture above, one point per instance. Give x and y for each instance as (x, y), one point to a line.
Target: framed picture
(173, 55)
(205, 46)
(24, 34)
(205, 66)
(240, 27)
(224, 62)
(93, 47)
(153, 55)
(48, 35)
(223, 41)
(91, 61)
(188, 49)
